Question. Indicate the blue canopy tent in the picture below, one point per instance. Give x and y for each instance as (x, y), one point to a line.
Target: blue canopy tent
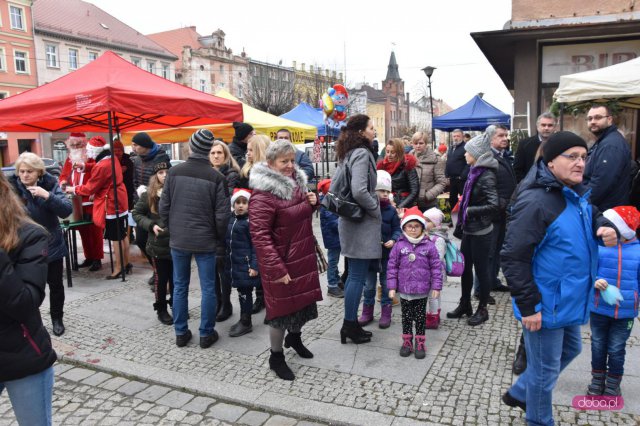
(476, 114)
(305, 113)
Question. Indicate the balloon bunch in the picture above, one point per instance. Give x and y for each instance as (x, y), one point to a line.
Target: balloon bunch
(334, 103)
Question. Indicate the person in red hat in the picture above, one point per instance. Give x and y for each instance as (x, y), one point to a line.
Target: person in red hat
(100, 186)
(611, 324)
(76, 171)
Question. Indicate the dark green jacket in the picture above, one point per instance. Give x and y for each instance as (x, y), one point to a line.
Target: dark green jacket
(157, 246)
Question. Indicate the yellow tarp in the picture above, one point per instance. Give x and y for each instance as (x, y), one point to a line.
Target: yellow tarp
(261, 121)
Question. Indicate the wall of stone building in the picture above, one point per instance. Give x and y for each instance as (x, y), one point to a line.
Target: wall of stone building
(376, 113)
(525, 83)
(527, 10)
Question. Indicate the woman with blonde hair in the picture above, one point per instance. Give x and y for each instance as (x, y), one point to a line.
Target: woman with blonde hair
(26, 354)
(45, 203)
(256, 153)
(430, 170)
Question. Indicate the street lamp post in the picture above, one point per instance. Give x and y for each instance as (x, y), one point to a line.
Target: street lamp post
(429, 72)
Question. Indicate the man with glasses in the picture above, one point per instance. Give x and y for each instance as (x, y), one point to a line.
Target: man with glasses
(528, 148)
(608, 169)
(550, 263)
(456, 167)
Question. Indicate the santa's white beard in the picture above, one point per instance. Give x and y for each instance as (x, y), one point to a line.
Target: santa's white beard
(93, 151)
(77, 155)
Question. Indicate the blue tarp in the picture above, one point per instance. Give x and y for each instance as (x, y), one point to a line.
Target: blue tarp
(476, 114)
(305, 113)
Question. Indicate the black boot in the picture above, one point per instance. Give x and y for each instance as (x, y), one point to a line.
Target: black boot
(512, 402)
(520, 362)
(224, 313)
(479, 317)
(363, 331)
(352, 330)
(612, 385)
(258, 304)
(243, 326)
(464, 308)
(597, 383)
(163, 315)
(294, 340)
(58, 326)
(279, 365)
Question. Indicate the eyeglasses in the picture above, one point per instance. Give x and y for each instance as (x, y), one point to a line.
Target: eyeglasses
(412, 226)
(597, 117)
(574, 158)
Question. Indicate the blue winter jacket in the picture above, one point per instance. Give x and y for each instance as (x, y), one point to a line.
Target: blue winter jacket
(608, 264)
(550, 254)
(329, 228)
(391, 229)
(242, 255)
(47, 212)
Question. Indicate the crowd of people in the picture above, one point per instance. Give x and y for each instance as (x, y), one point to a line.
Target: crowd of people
(248, 206)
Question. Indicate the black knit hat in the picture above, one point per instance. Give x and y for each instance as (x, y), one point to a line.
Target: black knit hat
(201, 141)
(560, 142)
(143, 139)
(163, 165)
(242, 130)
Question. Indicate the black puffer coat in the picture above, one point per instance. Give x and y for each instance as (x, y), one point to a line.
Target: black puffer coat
(157, 246)
(484, 203)
(232, 176)
(25, 345)
(242, 255)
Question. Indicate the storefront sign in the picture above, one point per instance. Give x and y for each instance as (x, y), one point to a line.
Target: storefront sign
(559, 60)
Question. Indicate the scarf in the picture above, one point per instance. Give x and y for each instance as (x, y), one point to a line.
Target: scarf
(388, 166)
(148, 156)
(384, 203)
(474, 175)
(413, 240)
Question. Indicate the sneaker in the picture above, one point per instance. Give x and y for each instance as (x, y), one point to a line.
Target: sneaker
(336, 292)
(207, 341)
(183, 339)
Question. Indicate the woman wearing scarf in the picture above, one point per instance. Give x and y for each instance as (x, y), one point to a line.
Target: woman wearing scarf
(478, 205)
(404, 177)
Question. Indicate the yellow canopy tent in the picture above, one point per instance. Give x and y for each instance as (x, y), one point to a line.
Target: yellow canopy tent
(261, 121)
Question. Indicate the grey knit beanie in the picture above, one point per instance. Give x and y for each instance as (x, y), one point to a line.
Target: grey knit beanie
(478, 145)
(201, 142)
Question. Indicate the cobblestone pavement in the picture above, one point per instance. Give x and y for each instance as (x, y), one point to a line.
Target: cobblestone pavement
(111, 327)
(89, 397)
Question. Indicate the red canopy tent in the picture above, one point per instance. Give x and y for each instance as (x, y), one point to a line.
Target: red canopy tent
(111, 92)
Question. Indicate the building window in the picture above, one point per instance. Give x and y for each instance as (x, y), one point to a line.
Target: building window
(3, 61)
(240, 91)
(17, 18)
(136, 61)
(4, 95)
(52, 55)
(151, 67)
(203, 85)
(73, 59)
(165, 70)
(21, 62)
(93, 56)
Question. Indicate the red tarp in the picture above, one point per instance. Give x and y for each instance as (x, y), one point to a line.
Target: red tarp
(137, 99)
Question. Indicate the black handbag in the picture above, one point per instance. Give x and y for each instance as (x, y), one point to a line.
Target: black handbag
(339, 199)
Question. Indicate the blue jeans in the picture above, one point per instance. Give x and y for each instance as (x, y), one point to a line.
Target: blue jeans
(358, 269)
(333, 258)
(609, 337)
(549, 351)
(181, 277)
(31, 397)
(370, 286)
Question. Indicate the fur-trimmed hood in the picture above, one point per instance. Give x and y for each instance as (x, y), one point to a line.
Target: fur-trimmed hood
(263, 178)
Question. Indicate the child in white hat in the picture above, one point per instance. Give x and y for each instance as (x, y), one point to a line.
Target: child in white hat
(438, 236)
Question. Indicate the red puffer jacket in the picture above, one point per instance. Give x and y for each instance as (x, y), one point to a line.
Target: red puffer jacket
(280, 223)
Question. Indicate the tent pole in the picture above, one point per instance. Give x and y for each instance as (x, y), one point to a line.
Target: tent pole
(561, 116)
(123, 267)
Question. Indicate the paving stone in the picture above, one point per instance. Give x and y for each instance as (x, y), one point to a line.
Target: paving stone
(253, 418)
(60, 368)
(175, 415)
(113, 384)
(280, 421)
(308, 423)
(175, 399)
(199, 404)
(77, 374)
(96, 379)
(131, 388)
(153, 393)
(226, 412)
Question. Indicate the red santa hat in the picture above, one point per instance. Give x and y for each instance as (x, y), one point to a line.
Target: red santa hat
(240, 192)
(413, 213)
(76, 136)
(339, 88)
(626, 219)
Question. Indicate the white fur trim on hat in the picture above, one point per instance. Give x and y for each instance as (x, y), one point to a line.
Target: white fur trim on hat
(413, 214)
(435, 216)
(626, 232)
(238, 194)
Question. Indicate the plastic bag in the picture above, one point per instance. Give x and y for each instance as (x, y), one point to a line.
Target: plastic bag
(612, 295)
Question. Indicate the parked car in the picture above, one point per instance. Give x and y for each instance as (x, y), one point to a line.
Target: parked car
(51, 165)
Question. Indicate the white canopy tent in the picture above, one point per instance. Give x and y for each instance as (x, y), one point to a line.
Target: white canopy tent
(620, 81)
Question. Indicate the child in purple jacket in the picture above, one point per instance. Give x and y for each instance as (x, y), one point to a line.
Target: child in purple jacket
(415, 270)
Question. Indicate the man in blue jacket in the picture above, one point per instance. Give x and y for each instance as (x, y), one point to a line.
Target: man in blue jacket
(549, 259)
(608, 169)
(302, 159)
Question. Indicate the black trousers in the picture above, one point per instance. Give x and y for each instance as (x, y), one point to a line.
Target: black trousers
(141, 241)
(223, 283)
(456, 186)
(163, 269)
(56, 288)
(500, 229)
(478, 253)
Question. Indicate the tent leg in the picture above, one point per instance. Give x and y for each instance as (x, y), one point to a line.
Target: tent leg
(561, 116)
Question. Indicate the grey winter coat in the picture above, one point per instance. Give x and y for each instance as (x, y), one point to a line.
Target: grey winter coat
(361, 240)
(430, 171)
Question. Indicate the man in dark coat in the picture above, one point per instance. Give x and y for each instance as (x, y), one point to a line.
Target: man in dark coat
(528, 148)
(455, 168)
(302, 159)
(195, 207)
(238, 147)
(608, 169)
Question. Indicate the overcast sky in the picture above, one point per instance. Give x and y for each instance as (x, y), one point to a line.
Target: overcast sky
(423, 32)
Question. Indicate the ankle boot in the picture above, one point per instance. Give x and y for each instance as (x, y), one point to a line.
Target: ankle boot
(279, 365)
(479, 317)
(225, 311)
(258, 305)
(597, 383)
(385, 317)
(612, 385)
(420, 351)
(367, 315)
(407, 345)
(58, 326)
(352, 330)
(363, 331)
(464, 308)
(163, 315)
(242, 327)
(520, 361)
(294, 340)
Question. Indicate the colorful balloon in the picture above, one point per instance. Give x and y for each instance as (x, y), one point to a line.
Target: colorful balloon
(326, 103)
(340, 98)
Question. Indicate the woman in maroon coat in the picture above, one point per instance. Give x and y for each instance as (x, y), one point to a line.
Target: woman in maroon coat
(280, 212)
